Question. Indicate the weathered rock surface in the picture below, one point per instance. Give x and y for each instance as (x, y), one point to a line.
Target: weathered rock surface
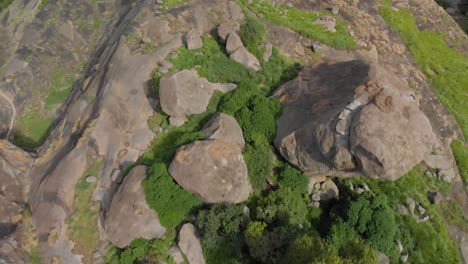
(227, 28)
(193, 39)
(224, 127)
(129, 215)
(185, 93)
(214, 168)
(244, 57)
(233, 43)
(350, 116)
(14, 164)
(189, 244)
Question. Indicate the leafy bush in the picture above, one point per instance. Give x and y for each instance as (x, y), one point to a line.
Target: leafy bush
(282, 207)
(374, 220)
(163, 195)
(220, 228)
(4, 4)
(290, 177)
(260, 165)
(255, 113)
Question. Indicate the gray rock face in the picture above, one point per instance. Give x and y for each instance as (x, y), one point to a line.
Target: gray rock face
(214, 168)
(339, 120)
(227, 28)
(193, 39)
(233, 43)
(129, 216)
(244, 57)
(190, 245)
(13, 184)
(185, 93)
(224, 127)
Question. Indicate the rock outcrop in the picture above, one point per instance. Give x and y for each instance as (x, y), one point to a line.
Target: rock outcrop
(185, 93)
(129, 216)
(14, 164)
(189, 244)
(214, 168)
(236, 50)
(350, 117)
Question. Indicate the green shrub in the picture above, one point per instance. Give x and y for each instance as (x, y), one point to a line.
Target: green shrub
(312, 249)
(290, 177)
(283, 207)
(4, 4)
(374, 220)
(221, 228)
(163, 195)
(260, 165)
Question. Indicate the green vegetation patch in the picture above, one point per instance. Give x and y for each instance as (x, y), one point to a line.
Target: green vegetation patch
(31, 130)
(460, 152)
(425, 242)
(4, 4)
(172, 203)
(301, 21)
(59, 90)
(170, 4)
(143, 251)
(82, 223)
(445, 67)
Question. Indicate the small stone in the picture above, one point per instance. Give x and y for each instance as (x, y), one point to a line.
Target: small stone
(366, 187)
(97, 254)
(383, 259)
(435, 197)
(404, 257)
(400, 246)
(146, 40)
(423, 218)
(335, 10)
(411, 204)
(268, 52)
(316, 197)
(316, 47)
(428, 173)
(91, 179)
(193, 40)
(403, 210)
(359, 190)
(420, 209)
(326, 21)
(176, 254)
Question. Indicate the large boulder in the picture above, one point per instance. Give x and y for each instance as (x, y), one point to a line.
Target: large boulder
(129, 216)
(214, 168)
(185, 93)
(189, 244)
(349, 118)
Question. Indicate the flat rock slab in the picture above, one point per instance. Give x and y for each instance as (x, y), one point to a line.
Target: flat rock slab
(129, 216)
(189, 244)
(185, 93)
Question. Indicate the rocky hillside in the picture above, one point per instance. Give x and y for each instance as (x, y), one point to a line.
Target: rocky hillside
(248, 131)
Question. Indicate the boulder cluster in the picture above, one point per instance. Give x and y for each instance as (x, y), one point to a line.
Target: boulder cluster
(351, 118)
